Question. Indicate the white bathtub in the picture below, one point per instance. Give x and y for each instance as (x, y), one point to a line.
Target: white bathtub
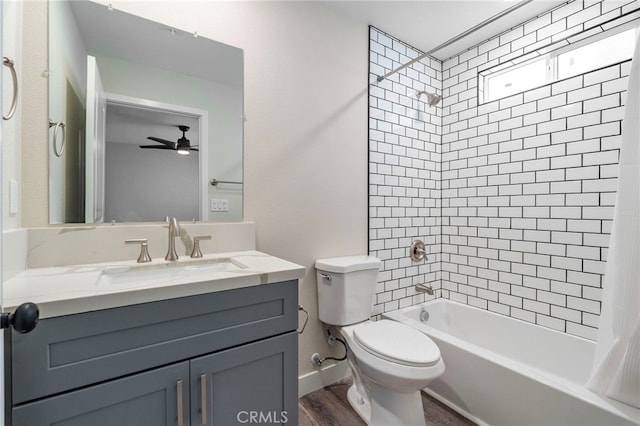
(504, 371)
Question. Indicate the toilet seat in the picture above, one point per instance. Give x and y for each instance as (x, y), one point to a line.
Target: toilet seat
(397, 342)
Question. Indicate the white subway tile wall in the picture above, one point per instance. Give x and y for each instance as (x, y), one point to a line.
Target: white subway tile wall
(404, 171)
(514, 198)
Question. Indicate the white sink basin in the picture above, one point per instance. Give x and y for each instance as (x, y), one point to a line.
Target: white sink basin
(142, 275)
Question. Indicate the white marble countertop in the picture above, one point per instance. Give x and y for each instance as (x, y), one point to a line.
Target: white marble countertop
(66, 290)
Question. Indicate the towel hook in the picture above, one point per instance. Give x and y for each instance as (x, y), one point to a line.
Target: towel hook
(56, 127)
(14, 101)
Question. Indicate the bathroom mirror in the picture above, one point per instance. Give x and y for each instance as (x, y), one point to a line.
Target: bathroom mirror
(125, 93)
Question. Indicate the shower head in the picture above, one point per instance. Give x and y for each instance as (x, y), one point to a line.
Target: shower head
(432, 98)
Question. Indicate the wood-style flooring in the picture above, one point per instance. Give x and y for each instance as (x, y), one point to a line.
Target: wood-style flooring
(329, 406)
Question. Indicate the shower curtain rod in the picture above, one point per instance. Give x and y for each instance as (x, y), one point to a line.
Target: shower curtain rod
(458, 37)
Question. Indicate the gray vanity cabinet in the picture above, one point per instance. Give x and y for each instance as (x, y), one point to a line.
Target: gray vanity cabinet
(157, 363)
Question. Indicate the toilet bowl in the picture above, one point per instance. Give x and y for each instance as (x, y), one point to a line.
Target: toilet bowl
(390, 362)
(392, 369)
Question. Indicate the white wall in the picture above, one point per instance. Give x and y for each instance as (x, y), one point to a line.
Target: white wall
(305, 140)
(12, 129)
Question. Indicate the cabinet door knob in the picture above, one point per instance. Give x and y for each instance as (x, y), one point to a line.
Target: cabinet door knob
(23, 320)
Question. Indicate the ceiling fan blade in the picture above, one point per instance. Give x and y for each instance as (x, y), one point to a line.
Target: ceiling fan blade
(157, 147)
(163, 141)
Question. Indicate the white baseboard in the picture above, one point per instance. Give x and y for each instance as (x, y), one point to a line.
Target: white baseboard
(322, 377)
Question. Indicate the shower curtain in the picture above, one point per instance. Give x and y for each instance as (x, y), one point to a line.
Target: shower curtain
(616, 368)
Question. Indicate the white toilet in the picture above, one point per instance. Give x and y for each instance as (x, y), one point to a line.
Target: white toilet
(390, 361)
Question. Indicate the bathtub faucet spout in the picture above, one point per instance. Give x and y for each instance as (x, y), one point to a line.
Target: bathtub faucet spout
(423, 288)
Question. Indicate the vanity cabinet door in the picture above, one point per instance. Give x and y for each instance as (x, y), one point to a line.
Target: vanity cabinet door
(145, 399)
(254, 383)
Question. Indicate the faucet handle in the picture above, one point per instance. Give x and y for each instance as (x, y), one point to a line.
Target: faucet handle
(196, 253)
(144, 249)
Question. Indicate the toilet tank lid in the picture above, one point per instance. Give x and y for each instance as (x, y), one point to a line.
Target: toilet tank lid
(348, 264)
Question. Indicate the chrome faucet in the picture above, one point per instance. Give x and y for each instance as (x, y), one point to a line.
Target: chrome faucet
(174, 231)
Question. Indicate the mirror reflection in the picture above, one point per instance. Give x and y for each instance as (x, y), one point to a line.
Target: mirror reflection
(142, 118)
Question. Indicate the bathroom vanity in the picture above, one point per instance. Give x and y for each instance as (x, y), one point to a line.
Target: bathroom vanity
(224, 350)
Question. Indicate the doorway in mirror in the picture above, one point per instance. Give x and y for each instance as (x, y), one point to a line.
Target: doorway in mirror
(147, 173)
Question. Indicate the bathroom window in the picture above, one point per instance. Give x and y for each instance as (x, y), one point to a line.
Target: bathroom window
(610, 47)
(516, 79)
(616, 48)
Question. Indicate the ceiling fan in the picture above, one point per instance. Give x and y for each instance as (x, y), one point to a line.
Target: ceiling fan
(182, 145)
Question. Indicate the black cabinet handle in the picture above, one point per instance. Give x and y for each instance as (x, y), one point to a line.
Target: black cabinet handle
(23, 320)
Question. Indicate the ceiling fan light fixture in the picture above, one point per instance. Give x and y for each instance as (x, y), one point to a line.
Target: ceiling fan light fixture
(183, 143)
(182, 146)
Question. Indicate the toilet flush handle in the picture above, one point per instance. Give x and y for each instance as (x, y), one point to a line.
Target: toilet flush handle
(326, 276)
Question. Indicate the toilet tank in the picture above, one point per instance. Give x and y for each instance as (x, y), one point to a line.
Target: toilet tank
(346, 288)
